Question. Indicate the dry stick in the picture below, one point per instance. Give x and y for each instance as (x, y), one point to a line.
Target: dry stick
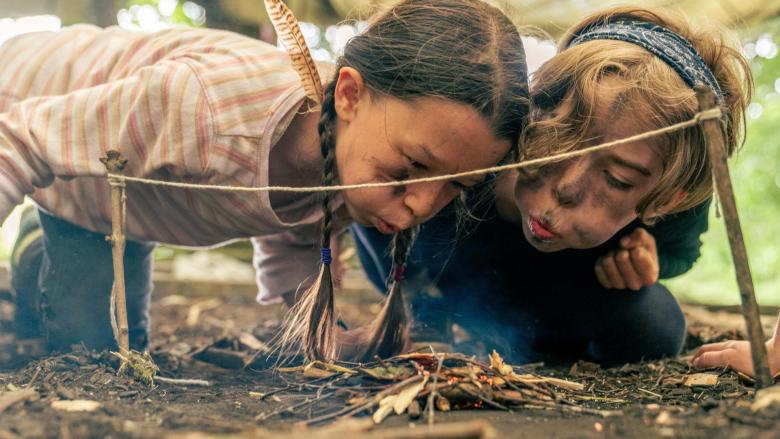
(115, 163)
(713, 137)
(357, 408)
(430, 405)
(182, 382)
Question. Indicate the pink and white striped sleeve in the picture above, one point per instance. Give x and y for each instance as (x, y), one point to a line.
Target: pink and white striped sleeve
(286, 262)
(157, 117)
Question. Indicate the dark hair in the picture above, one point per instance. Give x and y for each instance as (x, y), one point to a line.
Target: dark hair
(460, 50)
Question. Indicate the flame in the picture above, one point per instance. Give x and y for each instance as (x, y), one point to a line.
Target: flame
(486, 379)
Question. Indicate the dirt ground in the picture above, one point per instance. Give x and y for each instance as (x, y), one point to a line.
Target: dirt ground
(209, 333)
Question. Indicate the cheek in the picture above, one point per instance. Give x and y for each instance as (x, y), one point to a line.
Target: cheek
(368, 201)
(529, 193)
(602, 218)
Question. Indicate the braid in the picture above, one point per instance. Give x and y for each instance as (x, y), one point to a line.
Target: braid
(310, 324)
(389, 332)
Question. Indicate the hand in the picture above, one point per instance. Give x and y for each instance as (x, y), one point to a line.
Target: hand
(633, 266)
(736, 355)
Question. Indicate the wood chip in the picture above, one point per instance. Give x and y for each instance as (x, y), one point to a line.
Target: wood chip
(766, 398)
(700, 380)
(8, 399)
(78, 405)
(253, 343)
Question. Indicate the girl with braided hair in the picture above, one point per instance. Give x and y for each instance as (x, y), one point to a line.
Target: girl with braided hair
(431, 87)
(566, 264)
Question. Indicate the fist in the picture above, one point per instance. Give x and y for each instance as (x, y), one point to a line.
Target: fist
(633, 266)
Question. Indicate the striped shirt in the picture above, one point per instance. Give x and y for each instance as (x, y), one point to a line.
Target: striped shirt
(194, 105)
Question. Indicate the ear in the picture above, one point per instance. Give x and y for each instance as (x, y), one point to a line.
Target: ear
(678, 198)
(350, 89)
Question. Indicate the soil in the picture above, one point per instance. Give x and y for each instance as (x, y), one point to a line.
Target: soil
(197, 336)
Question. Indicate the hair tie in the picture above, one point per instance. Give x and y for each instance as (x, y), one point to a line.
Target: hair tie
(327, 258)
(398, 273)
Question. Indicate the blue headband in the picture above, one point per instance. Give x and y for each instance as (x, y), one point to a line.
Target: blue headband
(675, 50)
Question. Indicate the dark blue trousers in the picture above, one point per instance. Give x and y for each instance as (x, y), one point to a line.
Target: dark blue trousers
(530, 306)
(62, 287)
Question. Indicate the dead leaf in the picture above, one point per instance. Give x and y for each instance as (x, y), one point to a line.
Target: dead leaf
(385, 408)
(497, 364)
(407, 395)
(399, 402)
(78, 405)
(700, 379)
(391, 373)
(312, 371)
(334, 367)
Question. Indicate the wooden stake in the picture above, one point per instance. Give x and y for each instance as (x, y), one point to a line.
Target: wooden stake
(115, 163)
(716, 148)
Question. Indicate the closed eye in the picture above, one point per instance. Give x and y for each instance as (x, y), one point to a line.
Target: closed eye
(416, 165)
(612, 181)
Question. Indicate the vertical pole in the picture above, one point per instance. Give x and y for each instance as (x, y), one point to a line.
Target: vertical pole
(115, 163)
(716, 148)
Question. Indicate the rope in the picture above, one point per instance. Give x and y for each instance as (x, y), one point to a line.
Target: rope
(714, 113)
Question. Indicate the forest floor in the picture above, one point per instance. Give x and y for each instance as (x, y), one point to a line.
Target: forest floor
(210, 332)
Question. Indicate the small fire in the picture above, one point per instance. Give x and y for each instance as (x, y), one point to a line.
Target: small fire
(486, 379)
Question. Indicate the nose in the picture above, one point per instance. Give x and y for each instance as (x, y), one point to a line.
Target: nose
(569, 189)
(424, 199)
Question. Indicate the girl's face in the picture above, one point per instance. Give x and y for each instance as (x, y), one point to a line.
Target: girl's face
(583, 202)
(382, 138)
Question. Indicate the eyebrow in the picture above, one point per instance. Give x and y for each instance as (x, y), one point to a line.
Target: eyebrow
(629, 164)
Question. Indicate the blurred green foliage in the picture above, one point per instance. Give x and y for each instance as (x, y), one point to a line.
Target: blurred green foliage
(755, 172)
(146, 14)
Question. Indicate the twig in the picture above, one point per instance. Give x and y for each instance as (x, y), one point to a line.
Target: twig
(650, 393)
(115, 163)
(357, 408)
(263, 416)
(713, 137)
(335, 379)
(430, 405)
(182, 382)
(34, 377)
(573, 409)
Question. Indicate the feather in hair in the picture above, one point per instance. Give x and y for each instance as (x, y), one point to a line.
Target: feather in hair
(292, 39)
